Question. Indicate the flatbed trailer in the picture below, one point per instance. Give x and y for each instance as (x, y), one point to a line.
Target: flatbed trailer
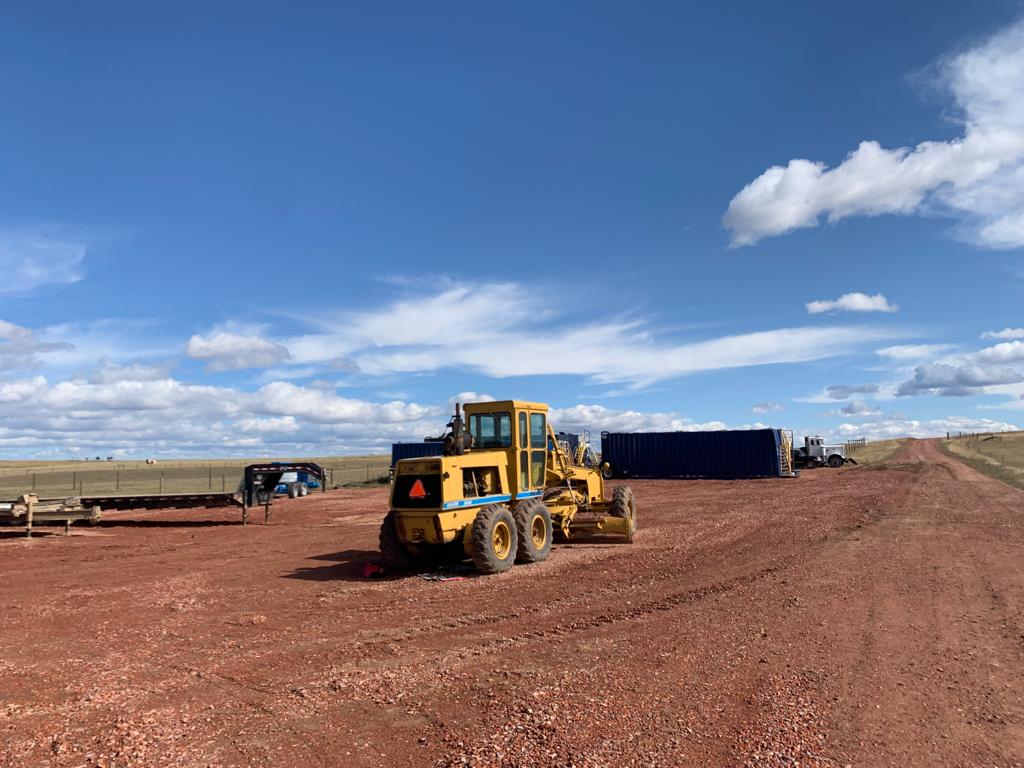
(29, 510)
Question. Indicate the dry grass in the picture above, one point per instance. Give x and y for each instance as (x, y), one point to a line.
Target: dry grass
(99, 478)
(875, 452)
(1000, 455)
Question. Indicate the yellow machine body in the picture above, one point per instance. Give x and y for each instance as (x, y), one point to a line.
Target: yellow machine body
(513, 456)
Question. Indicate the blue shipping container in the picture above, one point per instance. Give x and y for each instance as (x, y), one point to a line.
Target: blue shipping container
(416, 450)
(719, 455)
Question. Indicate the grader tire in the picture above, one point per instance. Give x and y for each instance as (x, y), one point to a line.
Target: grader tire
(533, 526)
(394, 555)
(494, 539)
(624, 505)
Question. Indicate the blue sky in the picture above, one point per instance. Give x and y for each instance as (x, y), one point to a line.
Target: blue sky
(250, 229)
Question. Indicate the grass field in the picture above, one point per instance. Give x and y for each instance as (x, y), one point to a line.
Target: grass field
(999, 455)
(101, 478)
(873, 453)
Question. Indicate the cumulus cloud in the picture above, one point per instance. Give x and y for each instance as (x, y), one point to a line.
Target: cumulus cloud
(977, 177)
(598, 418)
(31, 260)
(169, 417)
(1007, 352)
(957, 380)
(1006, 334)
(768, 406)
(20, 347)
(845, 391)
(912, 351)
(852, 302)
(859, 408)
(898, 426)
(227, 351)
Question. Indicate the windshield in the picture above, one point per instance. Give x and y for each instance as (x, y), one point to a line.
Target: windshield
(491, 430)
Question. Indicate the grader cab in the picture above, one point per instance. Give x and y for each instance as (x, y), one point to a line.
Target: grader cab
(500, 494)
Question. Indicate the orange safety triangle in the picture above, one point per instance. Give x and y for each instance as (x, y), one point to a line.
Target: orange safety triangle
(417, 491)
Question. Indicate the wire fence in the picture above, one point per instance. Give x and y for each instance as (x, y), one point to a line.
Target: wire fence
(137, 478)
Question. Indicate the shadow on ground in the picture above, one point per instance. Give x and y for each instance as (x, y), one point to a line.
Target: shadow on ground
(346, 565)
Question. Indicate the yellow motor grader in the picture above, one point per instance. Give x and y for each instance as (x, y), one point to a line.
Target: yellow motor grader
(500, 493)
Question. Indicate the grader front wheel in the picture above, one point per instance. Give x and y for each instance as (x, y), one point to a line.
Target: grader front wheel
(624, 505)
(494, 539)
(533, 524)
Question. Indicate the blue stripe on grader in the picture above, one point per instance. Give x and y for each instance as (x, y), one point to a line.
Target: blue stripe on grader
(496, 499)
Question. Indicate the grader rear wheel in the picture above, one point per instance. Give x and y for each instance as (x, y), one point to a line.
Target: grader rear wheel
(494, 539)
(624, 505)
(395, 556)
(533, 525)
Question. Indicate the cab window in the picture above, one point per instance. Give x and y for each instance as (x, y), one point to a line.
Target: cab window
(538, 435)
(491, 430)
(523, 432)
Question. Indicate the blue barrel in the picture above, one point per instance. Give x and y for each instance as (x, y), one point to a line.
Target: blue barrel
(726, 454)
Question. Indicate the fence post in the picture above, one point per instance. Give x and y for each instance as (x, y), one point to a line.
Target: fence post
(74, 480)
(117, 482)
(161, 482)
(33, 481)
(223, 482)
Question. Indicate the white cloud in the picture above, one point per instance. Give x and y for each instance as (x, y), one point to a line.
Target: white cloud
(978, 177)
(768, 406)
(1007, 352)
(852, 302)
(227, 351)
(598, 418)
(21, 347)
(845, 391)
(901, 352)
(503, 329)
(957, 380)
(169, 417)
(858, 408)
(896, 426)
(109, 372)
(31, 260)
(1005, 334)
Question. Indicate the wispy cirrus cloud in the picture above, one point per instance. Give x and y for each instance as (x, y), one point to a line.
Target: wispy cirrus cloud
(480, 327)
(30, 260)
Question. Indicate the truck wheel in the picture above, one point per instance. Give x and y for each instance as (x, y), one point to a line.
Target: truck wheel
(835, 461)
(494, 539)
(533, 527)
(293, 491)
(392, 552)
(624, 505)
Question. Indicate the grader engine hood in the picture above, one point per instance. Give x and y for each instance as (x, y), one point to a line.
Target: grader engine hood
(417, 485)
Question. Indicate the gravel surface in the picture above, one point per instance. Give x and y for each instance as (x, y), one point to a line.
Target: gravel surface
(860, 616)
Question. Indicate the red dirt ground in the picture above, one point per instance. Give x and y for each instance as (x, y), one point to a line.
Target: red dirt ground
(861, 616)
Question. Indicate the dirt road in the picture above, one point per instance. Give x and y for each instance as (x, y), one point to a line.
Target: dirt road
(861, 616)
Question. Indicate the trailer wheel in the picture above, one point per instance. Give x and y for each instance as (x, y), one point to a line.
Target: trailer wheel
(624, 505)
(533, 526)
(835, 461)
(303, 489)
(395, 556)
(494, 539)
(293, 491)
